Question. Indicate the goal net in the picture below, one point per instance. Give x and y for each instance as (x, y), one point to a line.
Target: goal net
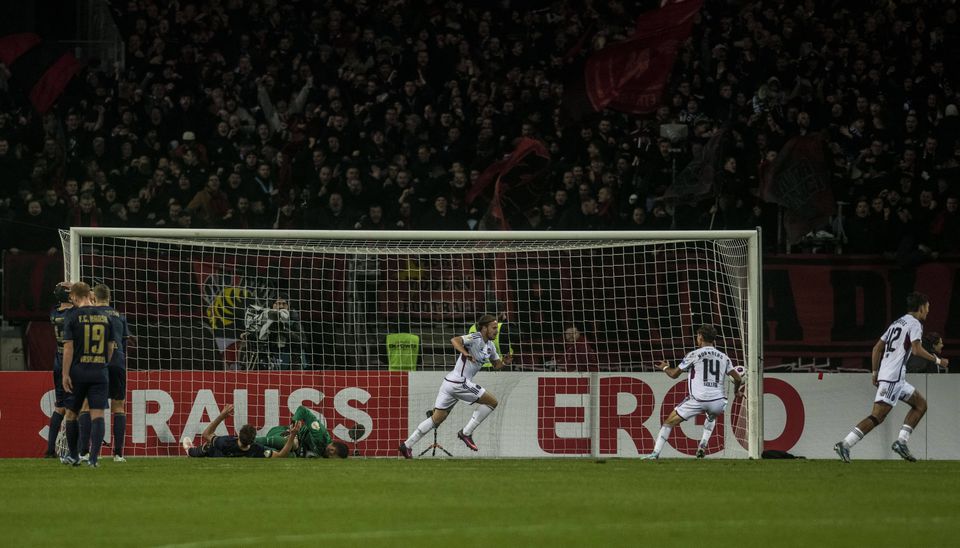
(357, 327)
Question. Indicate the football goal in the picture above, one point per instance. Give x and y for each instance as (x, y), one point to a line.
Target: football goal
(357, 326)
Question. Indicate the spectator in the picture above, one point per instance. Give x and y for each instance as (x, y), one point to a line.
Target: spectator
(861, 230)
(210, 205)
(86, 213)
(933, 343)
(32, 231)
(583, 218)
(578, 354)
(440, 217)
(946, 228)
(373, 220)
(54, 209)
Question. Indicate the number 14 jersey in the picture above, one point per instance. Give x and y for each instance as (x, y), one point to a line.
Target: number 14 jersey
(899, 338)
(707, 368)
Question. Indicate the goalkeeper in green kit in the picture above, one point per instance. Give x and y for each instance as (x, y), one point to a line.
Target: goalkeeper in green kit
(313, 440)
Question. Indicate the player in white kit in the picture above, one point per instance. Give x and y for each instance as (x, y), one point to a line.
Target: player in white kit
(708, 369)
(475, 349)
(889, 360)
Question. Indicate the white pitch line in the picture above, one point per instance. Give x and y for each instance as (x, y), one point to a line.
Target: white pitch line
(645, 524)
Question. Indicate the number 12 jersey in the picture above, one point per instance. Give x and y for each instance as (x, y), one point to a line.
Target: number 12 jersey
(898, 339)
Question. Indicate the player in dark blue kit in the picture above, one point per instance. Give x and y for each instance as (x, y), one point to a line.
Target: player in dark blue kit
(57, 317)
(116, 373)
(90, 337)
(242, 445)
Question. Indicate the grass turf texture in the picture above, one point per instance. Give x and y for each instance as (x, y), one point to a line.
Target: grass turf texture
(386, 502)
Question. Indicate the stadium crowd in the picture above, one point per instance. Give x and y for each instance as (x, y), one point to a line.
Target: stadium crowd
(381, 115)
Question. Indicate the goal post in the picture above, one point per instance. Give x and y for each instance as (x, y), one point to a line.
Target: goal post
(270, 319)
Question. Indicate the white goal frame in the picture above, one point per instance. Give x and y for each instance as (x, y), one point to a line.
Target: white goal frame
(754, 389)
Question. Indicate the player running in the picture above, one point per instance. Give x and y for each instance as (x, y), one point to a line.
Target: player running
(708, 368)
(475, 349)
(889, 363)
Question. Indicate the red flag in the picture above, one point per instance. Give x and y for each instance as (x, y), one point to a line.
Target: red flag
(799, 180)
(699, 177)
(630, 76)
(42, 69)
(15, 45)
(515, 179)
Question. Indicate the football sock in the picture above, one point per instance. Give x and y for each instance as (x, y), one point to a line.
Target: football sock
(422, 429)
(73, 432)
(905, 432)
(662, 438)
(853, 437)
(97, 430)
(84, 439)
(56, 419)
(195, 452)
(119, 431)
(482, 412)
(707, 431)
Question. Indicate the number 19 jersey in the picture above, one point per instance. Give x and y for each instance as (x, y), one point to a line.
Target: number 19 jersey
(898, 339)
(707, 368)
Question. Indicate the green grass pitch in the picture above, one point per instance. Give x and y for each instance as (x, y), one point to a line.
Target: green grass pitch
(452, 503)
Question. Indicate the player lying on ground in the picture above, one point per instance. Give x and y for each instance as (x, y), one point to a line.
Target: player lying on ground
(312, 439)
(707, 368)
(890, 356)
(242, 445)
(474, 349)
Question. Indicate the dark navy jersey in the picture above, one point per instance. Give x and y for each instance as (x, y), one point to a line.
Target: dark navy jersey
(227, 446)
(57, 317)
(121, 352)
(92, 330)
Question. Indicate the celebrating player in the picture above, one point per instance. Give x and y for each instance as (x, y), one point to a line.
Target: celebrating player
(242, 445)
(475, 349)
(708, 367)
(889, 360)
(57, 317)
(90, 337)
(312, 439)
(117, 374)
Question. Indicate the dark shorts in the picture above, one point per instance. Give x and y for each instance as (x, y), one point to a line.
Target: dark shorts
(92, 386)
(117, 375)
(59, 394)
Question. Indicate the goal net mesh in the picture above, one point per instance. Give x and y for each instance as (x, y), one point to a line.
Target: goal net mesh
(269, 323)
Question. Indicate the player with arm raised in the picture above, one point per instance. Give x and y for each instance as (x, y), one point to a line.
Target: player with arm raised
(57, 317)
(242, 445)
(312, 439)
(889, 359)
(474, 349)
(707, 368)
(90, 337)
(117, 373)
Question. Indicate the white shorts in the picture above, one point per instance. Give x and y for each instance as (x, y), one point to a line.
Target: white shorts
(890, 392)
(690, 408)
(451, 392)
